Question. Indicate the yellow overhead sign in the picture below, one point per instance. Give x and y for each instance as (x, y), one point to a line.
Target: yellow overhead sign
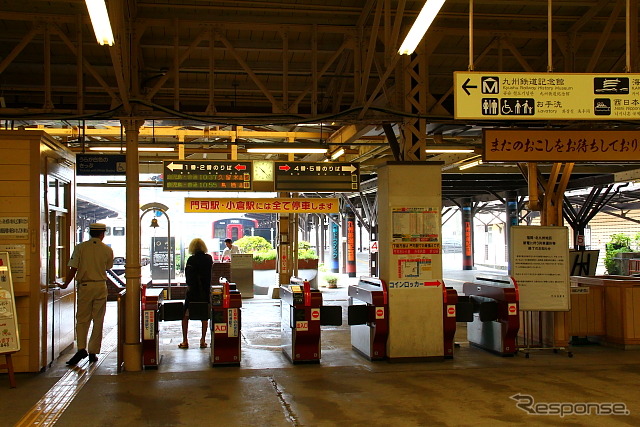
(546, 96)
(535, 145)
(277, 205)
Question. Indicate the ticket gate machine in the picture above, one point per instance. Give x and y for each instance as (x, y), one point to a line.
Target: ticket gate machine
(369, 321)
(496, 318)
(225, 324)
(302, 314)
(151, 302)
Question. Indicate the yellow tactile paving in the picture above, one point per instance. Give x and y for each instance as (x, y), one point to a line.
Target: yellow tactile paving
(51, 406)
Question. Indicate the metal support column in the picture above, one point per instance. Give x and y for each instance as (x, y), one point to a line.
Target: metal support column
(467, 234)
(511, 206)
(132, 350)
(335, 244)
(350, 266)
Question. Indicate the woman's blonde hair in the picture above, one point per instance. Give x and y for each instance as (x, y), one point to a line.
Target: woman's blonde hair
(197, 245)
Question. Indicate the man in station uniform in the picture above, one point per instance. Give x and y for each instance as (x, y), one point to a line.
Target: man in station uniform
(89, 263)
(229, 250)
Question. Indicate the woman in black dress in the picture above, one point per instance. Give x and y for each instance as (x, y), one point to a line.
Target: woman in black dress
(198, 275)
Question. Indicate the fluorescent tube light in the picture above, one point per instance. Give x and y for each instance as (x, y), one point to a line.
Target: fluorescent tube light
(448, 150)
(470, 164)
(423, 21)
(286, 150)
(339, 152)
(100, 21)
(114, 148)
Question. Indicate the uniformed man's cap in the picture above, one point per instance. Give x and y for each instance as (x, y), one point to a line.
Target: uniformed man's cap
(97, 227)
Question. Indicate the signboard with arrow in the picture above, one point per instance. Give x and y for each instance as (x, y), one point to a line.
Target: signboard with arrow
(206, 175)
(546, 96)
(317, 177)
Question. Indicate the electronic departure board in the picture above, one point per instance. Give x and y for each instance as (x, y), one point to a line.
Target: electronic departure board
(317, 176)
(206, 175)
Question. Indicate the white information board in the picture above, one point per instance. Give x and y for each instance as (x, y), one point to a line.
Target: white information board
(539, 261)
(17, 256)
(9, 338)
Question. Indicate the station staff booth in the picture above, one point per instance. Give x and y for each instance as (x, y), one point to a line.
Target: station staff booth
(37, 228)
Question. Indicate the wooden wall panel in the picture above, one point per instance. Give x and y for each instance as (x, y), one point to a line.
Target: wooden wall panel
(613, 313)
(15, 205)
(14, 156)
(587, 316)
(17, 188)
(15, 173)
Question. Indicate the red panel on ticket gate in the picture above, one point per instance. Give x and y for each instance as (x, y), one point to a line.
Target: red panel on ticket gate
(151, 301)
(225, 324)
(449, 320)
(300, 322)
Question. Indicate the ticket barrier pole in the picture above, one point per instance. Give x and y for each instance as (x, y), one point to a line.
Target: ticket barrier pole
(496, 320)
(225, 324)
(302, 314)
(369, 322)
(151, 303)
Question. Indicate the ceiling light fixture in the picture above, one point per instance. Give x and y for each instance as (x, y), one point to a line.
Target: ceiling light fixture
(339, 152)
(448, 150)
(423, 21)
(114, 148)
(100, 21)
(470, 164)
(286, 149)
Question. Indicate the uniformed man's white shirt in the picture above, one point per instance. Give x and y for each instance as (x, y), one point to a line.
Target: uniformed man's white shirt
(230, 251)
(92, 259)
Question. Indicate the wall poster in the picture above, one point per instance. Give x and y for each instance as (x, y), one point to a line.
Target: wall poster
(415, 240)
(17, 254)
(9, 338)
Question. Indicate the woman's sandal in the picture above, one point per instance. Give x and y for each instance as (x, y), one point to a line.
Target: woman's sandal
(203, 344)
(183, 345)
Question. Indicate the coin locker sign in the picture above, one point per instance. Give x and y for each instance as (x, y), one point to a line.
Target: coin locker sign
(546, 96)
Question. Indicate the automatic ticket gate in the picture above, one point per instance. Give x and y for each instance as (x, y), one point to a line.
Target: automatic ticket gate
(369, 318)
(496, 319)
(225, 324)
(302, 314)
(151, 303)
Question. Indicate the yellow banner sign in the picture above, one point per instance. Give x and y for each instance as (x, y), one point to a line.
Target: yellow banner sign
(277, 205)
(532, 145)
(546, 96)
